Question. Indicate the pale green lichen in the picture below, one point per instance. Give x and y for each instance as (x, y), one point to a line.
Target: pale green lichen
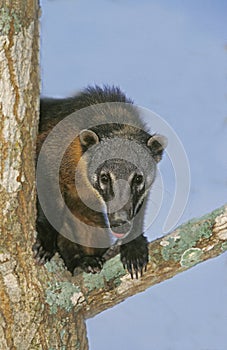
(16, 22)
(188, 235)
(59, 295)
(212, 216)
(112, 271)
(6, 18)
(95, 281)
(224, 246)
(191, 257)
(55, 265)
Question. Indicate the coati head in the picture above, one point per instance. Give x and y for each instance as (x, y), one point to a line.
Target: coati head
(121, 167)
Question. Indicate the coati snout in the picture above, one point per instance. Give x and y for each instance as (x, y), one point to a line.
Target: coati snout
(122, 188)
(116, 159)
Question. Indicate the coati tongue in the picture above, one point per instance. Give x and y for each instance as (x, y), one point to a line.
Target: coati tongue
(120, 230)
(118, 235)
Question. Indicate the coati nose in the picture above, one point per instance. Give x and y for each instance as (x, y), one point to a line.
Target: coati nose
(120, 228)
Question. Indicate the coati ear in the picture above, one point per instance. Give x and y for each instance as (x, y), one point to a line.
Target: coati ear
(157, 143)
(88, 138)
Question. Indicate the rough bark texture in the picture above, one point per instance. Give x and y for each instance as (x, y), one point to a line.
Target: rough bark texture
(25, 318)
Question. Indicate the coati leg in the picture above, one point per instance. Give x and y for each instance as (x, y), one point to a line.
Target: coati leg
(75, 256)
(76, 259)
(44, 247)
(134, 255)
(48, 242)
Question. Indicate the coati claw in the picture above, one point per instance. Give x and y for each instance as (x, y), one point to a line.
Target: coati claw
(134, 256)
(40, 254)
(90, 264)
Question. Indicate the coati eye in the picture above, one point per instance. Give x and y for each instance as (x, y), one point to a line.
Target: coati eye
(138, 179)
(104, 179)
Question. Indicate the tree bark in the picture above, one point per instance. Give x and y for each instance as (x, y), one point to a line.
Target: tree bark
(25, 320)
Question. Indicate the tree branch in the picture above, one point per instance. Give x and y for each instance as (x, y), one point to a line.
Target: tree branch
(191, 243)
(188, 245)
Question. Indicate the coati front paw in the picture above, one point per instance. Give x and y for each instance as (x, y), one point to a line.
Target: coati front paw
(134, 256)
(89, 264)
(40, 254)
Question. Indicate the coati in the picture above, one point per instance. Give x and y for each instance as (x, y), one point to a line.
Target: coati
(116, 157)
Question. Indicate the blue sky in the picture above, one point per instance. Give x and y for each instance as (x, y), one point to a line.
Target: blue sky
(170, 57)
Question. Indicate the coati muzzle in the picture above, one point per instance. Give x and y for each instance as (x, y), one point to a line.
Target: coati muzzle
(122, 187)
(119, 201)
(120, 228)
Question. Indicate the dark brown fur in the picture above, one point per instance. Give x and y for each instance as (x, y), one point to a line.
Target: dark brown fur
(134, 254)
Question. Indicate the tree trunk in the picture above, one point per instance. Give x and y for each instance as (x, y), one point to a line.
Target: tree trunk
(25, 320)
